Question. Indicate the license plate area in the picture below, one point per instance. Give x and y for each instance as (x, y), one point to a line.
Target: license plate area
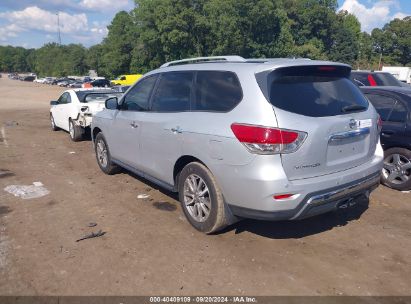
(347, 150)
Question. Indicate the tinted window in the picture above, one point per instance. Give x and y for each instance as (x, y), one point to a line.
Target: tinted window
(389, 108)
(383, 104)
(316, 96)
(217, 91)
(386, 79)
(173, 92)
(138, 97)
(63, 98)
(360, 79)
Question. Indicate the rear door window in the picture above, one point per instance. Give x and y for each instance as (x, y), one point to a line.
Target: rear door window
(173, 93)
(383, 104)
(399, 113)
(217, 91)
(315, 92)
(360, 79)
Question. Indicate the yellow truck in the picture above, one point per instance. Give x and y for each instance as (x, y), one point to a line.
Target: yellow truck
(126, 79)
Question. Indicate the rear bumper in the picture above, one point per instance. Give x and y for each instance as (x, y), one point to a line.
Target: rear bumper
(317, 202)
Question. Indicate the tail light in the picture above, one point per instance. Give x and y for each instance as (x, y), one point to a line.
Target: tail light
(264, 140)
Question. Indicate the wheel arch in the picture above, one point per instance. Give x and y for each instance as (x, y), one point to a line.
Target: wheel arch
(94, 132)
(181, 163)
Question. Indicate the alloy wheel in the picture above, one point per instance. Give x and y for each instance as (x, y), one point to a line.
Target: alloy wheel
(101, 151)
(197, 198)
(397, 169)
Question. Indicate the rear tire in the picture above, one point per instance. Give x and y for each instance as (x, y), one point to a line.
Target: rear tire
(202, 200)
(396, 173)
(103, 155)
(76, 132)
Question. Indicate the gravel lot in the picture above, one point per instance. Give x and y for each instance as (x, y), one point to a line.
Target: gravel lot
(150, 249)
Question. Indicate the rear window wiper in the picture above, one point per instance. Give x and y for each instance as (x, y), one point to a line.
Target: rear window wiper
(352, 108)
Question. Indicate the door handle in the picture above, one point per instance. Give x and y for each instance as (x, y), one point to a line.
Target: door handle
(134, 125)
(176, 130)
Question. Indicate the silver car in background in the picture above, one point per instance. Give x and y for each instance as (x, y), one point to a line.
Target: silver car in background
(272, 139)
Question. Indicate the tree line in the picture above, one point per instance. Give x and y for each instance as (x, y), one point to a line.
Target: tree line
(157, 31)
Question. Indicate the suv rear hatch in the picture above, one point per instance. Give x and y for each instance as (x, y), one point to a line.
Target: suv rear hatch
(341, 127)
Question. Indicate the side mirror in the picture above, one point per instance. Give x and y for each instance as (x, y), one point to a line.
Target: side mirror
(112, 103)
(54, 103)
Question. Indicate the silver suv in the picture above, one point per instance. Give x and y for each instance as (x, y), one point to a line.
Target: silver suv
(272, 139)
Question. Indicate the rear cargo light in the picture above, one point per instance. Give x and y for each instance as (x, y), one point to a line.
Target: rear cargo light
(282, 196)
(327, 68)
(264, 140)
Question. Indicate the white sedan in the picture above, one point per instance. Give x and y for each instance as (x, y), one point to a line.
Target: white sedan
(74, 109)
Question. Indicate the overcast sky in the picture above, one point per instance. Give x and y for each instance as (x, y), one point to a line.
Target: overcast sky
(32, 23)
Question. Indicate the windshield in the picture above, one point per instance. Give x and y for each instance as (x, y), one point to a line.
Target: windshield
(87, 96)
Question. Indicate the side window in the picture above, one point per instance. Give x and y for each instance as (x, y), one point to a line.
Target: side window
(173, 92)
(68, 100)
(63, 98)
(217, 91)
(138, 97)
(383, 104)
(360, 79)
(399, 113)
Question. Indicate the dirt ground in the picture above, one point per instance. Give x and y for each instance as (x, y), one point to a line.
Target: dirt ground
(150, 249)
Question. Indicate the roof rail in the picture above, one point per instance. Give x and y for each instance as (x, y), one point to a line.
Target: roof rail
(204, 59)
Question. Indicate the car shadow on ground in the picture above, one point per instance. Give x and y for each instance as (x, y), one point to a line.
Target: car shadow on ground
(302, 228)
(279, 229)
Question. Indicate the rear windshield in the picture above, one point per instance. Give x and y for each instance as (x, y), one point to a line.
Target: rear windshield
(316, 94)
(86, 96)
(386, 79)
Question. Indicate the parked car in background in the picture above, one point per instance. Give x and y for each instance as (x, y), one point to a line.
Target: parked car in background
(403, 74)
(74, 109)
(49, 80)
(66, 82)
(126, 79)
(100, 83)
(374, 79)
(28, 78)
(120, 88)
(40, 80)
(75, 84)
(273, 139)
(394, 106)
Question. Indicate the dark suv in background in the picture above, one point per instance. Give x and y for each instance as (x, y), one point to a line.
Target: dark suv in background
(394, 106)
(375, 79)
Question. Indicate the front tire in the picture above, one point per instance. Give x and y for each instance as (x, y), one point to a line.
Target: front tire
(202, 200)
(396, 173)
(76, 132)
(103, 155)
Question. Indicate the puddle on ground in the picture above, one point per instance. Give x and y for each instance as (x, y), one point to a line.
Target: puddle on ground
(165, 206)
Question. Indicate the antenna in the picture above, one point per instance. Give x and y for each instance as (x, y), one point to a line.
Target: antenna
(58, 28)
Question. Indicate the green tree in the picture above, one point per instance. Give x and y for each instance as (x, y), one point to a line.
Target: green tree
(117, 47)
